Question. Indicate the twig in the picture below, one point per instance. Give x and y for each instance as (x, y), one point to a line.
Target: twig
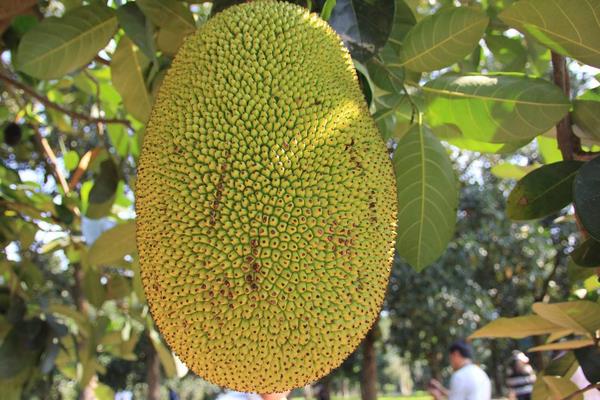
(51, 160)
(568, 143)
(48, 103)
(585, 389)
(85, 161)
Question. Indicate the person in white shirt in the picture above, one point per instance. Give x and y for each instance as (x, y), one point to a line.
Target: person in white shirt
(468, 381)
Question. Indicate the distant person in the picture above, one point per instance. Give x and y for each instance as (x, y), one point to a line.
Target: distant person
(520, 377)
(468, 381)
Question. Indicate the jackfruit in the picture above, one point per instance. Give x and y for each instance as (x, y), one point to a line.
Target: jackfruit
(266, 201)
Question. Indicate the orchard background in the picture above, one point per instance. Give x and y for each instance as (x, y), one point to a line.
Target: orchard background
(491, 113)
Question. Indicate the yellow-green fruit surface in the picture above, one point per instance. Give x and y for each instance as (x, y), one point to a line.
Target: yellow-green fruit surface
(266, 202)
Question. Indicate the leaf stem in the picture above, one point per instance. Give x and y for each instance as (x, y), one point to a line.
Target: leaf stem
(50, 104)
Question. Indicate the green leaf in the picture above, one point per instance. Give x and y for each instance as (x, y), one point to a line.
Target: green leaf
(568, 27)
(57, 46)
(71, 159)
(327, 9)
(516, 328)
(102, 194)
(566, 345)
(384, 76)
(543, 191)
(104, 392)
(20, 350)
(561, 387)
(404, 20)
(587, 254)
(94, 291)
(586, 193)
(483, 147)
(442, 39)
(127, 72)
(363, 25)
(506, 170)
(589, 360)
(577, 273)
(396, 121)
(133, 22)
(496, 109)
(113, 244)
(168, 41)
(582, 316)
(548, 148)
(427, 197)
(586, 113)
(169, 14)
(508, 52)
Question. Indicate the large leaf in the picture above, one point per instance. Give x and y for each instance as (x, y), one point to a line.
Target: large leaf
(427, 197)
(561, 387)
(586, 192)
(404, 20)
(484, 147)
(169, 14)
(543, 191)
(587, 254)
(516, 328)
(568, 27)
(548, 148)
(442, 39)
(566, 345)
(57, 46)
(508, 52)
(133, 22)
(113, 244)
(506, 170)
(582, 316)
(589, 360)
(127, 71)
(586, 113)
(363, 25)
(496, 109)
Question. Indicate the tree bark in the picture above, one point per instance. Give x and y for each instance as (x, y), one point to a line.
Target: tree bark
(497, 372)
(368, 373)
(153, 373)
(88, 392)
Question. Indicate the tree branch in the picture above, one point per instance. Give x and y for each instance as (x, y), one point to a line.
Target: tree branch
(50, 158)
(48, 103)
(568, 143)
(585, 389)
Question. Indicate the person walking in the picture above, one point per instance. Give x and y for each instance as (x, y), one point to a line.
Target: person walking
(468, 381)
(520, 377)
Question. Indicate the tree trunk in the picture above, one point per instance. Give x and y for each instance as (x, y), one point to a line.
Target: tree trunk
(368, 373)
(153, 373)
(324, 392)
(497, 372)
(88, 392)
(537, 358)
(434, 365)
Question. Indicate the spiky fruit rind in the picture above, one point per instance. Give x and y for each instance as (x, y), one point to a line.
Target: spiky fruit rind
(265, 200)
